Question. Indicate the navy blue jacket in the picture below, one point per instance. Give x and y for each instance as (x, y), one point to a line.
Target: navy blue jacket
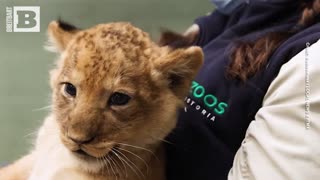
(219, 110)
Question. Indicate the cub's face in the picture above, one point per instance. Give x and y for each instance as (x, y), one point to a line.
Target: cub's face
(114, 88)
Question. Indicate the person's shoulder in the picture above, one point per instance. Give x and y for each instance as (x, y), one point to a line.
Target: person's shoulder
(286, 125)
(308, 56)
(297, 75)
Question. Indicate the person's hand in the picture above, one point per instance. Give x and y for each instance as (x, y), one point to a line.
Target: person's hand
(173, 39)
(194, 29)
(192, 33)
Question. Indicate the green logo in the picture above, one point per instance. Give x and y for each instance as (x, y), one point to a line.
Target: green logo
(211, 102)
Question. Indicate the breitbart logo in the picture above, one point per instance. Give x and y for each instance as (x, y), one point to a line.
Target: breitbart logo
(210, 105)
(23, 19)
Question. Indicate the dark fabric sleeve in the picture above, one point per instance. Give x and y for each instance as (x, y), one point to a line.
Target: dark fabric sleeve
(211, 26)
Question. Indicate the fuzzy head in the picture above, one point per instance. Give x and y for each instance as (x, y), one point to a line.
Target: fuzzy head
(114, 86)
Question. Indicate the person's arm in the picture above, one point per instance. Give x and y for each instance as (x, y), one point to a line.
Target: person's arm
(283, 140)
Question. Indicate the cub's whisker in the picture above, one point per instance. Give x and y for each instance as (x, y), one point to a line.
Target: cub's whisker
(146, 164)
(115, 166)
(106, 164)
(137, 147)
(118, 156)
(114, 173)
(130, 163)
(31, 134)
(42, 108)
(163, 140)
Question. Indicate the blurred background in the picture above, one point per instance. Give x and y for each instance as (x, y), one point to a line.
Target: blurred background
(24, 64)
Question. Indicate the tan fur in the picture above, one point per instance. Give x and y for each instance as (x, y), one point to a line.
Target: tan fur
(127, 144)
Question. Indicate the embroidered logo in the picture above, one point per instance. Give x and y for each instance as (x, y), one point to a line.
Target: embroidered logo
(212, 106)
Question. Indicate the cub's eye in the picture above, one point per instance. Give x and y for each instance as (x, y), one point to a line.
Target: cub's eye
(118, 99)
(70, 89)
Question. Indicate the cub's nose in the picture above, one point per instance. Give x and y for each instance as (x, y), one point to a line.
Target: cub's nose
(82, 141)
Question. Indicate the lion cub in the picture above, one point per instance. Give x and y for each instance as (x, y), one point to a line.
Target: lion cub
(115, 96)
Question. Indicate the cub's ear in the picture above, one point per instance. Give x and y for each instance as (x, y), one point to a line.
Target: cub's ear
(59, 34)
(179, 67)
